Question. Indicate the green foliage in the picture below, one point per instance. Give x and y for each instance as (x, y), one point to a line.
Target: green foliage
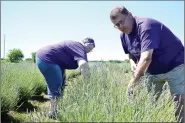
(126, 61)
(102, 98)
(72, 74)
(4, 60)
(15, 55)
(115, 61)
(99, 98)
(33, 54)
(20, 81)
(28, 60)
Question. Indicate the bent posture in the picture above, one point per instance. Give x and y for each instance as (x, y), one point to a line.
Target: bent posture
(155, 49)
(53, 60)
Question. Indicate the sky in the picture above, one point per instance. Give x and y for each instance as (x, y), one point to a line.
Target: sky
(30, 25)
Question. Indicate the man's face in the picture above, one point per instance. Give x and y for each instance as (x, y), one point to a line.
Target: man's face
(123, 22)
(89, 47)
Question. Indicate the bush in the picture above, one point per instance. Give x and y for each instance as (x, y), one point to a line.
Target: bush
(18, 83)
(15, 55)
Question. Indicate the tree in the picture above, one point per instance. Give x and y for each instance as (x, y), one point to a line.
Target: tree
(15, 55)
(33, 54)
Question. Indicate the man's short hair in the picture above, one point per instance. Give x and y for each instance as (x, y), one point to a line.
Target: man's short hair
(117, 10)
(89, 40)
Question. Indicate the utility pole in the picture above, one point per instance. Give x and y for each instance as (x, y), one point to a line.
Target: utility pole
(4, 46)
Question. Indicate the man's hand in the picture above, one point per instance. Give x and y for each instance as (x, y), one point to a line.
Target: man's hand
(84, 68)
(143, 64)
(129, 90)
(130, 87)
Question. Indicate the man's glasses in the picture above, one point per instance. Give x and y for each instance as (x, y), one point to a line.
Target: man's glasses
(121, 22)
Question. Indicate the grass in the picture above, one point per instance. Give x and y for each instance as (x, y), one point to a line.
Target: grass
(100, 98)
(20, 81)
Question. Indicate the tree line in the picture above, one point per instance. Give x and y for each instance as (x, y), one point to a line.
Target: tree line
(16, 56)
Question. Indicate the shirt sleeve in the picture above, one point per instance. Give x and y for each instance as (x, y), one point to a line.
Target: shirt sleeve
(150, 36)
(124, 44)
(79, 53)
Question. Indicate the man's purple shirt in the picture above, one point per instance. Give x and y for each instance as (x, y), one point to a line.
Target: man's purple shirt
(65, 54)
(151, 34)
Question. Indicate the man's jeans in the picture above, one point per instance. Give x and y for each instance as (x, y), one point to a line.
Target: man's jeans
(54, 76)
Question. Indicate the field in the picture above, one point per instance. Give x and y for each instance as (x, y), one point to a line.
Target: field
(100, 98)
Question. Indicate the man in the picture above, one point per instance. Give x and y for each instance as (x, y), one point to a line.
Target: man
(153, 49)
(52, 60)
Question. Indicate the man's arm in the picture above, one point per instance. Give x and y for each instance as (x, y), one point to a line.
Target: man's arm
(143, 64)
(149, 37)
(84, 68)
(132, 60)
